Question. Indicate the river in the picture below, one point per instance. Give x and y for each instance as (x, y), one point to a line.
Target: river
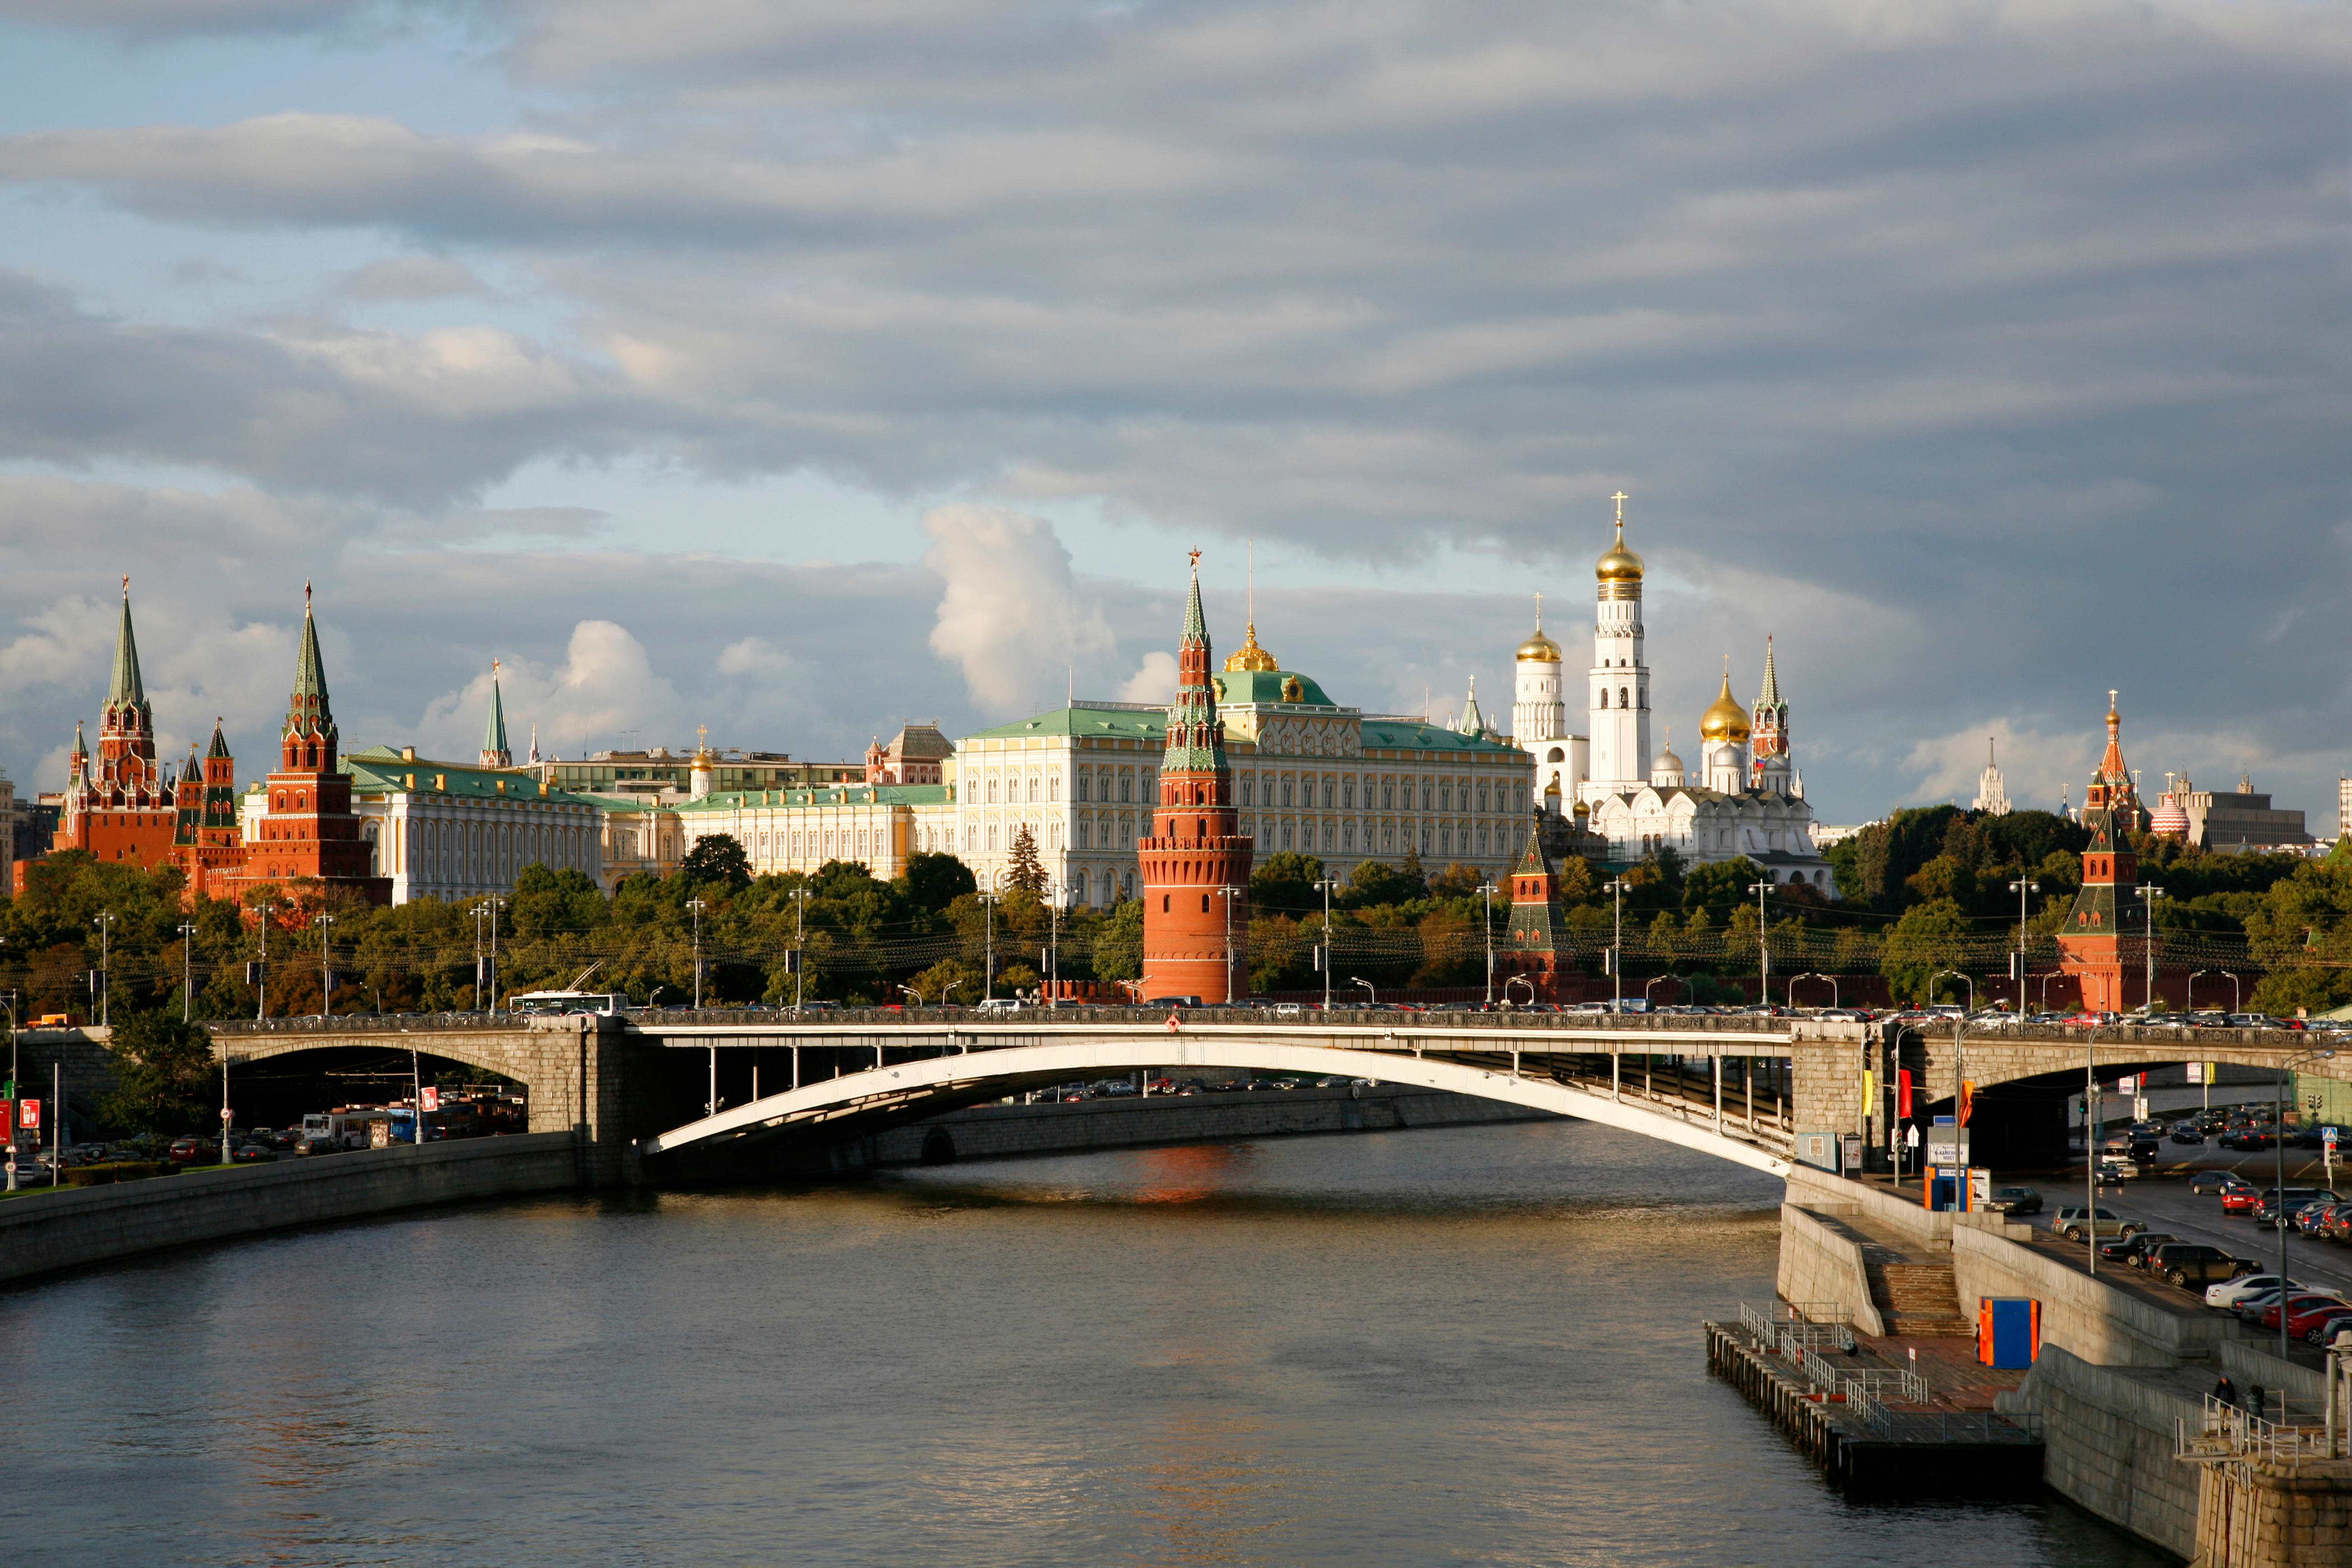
(1470, 1345)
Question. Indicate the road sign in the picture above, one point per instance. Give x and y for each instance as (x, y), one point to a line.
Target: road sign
(225, 1115)
(1948, 1146)
(28, 1113)
(2328, 1133)
(431, 1097)
(1914, 1135)
(2139, 1108)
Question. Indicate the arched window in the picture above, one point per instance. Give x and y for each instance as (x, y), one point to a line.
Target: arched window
(1620, 699)
(1205, 903)
(1163, 903)
(1604, 698)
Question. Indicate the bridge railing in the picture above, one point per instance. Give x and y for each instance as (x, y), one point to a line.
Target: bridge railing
(367, 1023)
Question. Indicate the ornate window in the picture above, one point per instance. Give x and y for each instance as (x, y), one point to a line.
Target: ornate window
(1086, 785)
(1054, 787)
(1388, 794)
(1125, 787)
(1348, 792)
(1287, 788)
(1620, 699)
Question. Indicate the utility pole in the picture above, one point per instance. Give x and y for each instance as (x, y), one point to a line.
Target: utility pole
(261, 973)
(1328, 886)
(187, 969)
(495, 905)
(477, 957)
(326, 974)
(105, 923)
(10, 1098)
(698, 906)
(1488, 889)
(1617, 949)
(2148, 894)
(1763, 945)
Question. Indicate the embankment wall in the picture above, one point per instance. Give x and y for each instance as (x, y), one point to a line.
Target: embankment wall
(1817, 1263)
(2108, 1438)
(43, 1232)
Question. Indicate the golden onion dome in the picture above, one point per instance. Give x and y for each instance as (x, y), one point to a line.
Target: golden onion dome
(1618, 565)
(1251, 656)
(1539, 649)
(1725, 720)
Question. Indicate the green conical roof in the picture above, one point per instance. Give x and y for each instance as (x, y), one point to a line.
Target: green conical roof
(309, 671)
(494, 736)
(220, 742)
(126, 690)
(1196, 625)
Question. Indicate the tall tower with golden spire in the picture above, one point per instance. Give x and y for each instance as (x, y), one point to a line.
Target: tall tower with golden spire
(1195, 866)
(1620, 679)
(2103, 943)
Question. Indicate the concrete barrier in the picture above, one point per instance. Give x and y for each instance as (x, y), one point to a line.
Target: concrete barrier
(1826, 1194)
(1817, 1263)
(2097, 1321)
(44, 1232)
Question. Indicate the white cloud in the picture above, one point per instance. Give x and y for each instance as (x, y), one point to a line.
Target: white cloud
(605, 689)
(1154, 682)
(1011, 616)
(753, 655)
(410, 278)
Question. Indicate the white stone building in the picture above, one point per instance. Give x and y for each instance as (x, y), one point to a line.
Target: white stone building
(448, 830)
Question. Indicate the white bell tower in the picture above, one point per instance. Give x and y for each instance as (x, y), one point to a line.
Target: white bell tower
(1619, 680)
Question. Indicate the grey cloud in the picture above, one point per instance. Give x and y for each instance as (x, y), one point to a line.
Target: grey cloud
(410, 278)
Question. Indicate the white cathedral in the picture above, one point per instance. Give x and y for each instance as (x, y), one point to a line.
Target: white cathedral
(1748, 797)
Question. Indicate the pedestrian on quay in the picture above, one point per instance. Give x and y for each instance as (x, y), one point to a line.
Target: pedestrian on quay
(2226, 1391)
(2255, 1399)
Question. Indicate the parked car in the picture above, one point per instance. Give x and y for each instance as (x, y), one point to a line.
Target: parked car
(2303, 1309)
(2132, 1249)
(252, 1154)
(2014, 1201)
(2241, 1199)
(2276, 1207)
(2337, 1224)
(2312, 1217)
(2189, 1264)
(2230, 1293)
(2074, 1222)
(2325, 1326)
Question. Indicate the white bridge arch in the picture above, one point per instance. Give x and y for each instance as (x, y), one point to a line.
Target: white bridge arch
(1509, 1067)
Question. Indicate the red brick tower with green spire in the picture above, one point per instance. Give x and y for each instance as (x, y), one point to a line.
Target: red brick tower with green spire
(120, 804)
(308, 831)
(1196, 849)
(2103, 943)
(211, 844)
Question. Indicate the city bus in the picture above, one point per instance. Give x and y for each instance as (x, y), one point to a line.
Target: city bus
(554, 1003)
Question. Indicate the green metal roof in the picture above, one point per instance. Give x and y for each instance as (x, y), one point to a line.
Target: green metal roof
(1413, 735)
(125, 690)
(494, 734)
(1080, 719)
(382, 768)
(1238, 687)
(821, 796)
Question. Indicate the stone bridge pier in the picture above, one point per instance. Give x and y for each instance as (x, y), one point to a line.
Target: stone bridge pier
(584, 1075)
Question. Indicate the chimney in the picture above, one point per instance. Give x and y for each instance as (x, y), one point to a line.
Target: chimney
(407, 753)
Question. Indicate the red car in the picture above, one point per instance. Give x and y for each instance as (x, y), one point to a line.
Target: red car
(2307, 1307)
(2240, 1200)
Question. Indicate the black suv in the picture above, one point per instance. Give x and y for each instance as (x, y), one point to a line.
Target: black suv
(2015, 1200)
(2189, 1264)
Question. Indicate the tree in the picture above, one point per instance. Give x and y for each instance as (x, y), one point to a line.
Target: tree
(1929, 937)
(717, 858)
(933, 881)
(1284, 883)
(1118, 945)
(1027, 871)
(166, 1075)
(950, 980)
(1719, 888)
(1373, 885)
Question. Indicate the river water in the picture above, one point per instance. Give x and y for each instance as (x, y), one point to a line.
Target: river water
(1470, 1345)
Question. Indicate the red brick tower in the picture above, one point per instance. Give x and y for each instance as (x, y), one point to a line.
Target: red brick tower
(1537, 933)
(2103, 943)
(211, 844)
(309, 830)
(120, 804)
(1195, 853)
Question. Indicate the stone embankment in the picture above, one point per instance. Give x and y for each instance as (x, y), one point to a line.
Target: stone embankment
(43, 1232)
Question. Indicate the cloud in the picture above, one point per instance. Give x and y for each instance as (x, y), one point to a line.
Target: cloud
(605, 688)
(1154, 682)
(410, 278)
(753, 655)
(1011, 616)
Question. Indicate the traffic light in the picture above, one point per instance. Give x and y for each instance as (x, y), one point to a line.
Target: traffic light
(254, 972)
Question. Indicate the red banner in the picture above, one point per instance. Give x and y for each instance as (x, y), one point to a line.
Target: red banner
(431, 1096)
(28, 1113)
(1903, 1093)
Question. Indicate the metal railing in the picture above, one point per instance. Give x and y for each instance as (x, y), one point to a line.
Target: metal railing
(2227, 1432)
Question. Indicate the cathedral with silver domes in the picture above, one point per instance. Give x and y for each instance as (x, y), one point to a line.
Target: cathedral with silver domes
(1747, 797)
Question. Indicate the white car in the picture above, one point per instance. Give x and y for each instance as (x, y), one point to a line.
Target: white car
(2229, 1292)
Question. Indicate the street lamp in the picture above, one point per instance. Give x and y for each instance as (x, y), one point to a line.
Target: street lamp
(2229, 974)
(1373, 995)
(105, 924)
(800, 897)
(1961, 1110)
(1813, 975)
(1763, 945)
(698, 906)
(2147, 897)
(1521, 979)
(1488, 889)
(2021, 888)
(988, 902)
(910, 991)
(187, 969)
(325, 975)
(1658, 980)
(1329, 885)
(2287, 1073)
(488, 906)
(1617, 885)
(1229, 893)
(261, 908)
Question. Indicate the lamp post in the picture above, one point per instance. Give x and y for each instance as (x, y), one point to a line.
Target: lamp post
(10, 1140)
(697, 905)
(988, 902)
(1329, 885)
(2021, 887)
(1763, 945)
(1521, 979)
(325, 924)
(800, 897)
(479, 910)
(1959, 1110)
(187, 969)
(1374, 995)
(1229, 893)
(1488, 890)
(910, 991)
(2090, 1144)
(1658, 980)
(2229, 975)
(2147, 897)
(224, 1111)
(1617, 885)
(495, 906)
(261, 908)
(2286, 1075)
(104, 921)
(1811, 975)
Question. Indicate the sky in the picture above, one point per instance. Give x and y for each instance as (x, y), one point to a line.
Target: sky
(802, 370)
